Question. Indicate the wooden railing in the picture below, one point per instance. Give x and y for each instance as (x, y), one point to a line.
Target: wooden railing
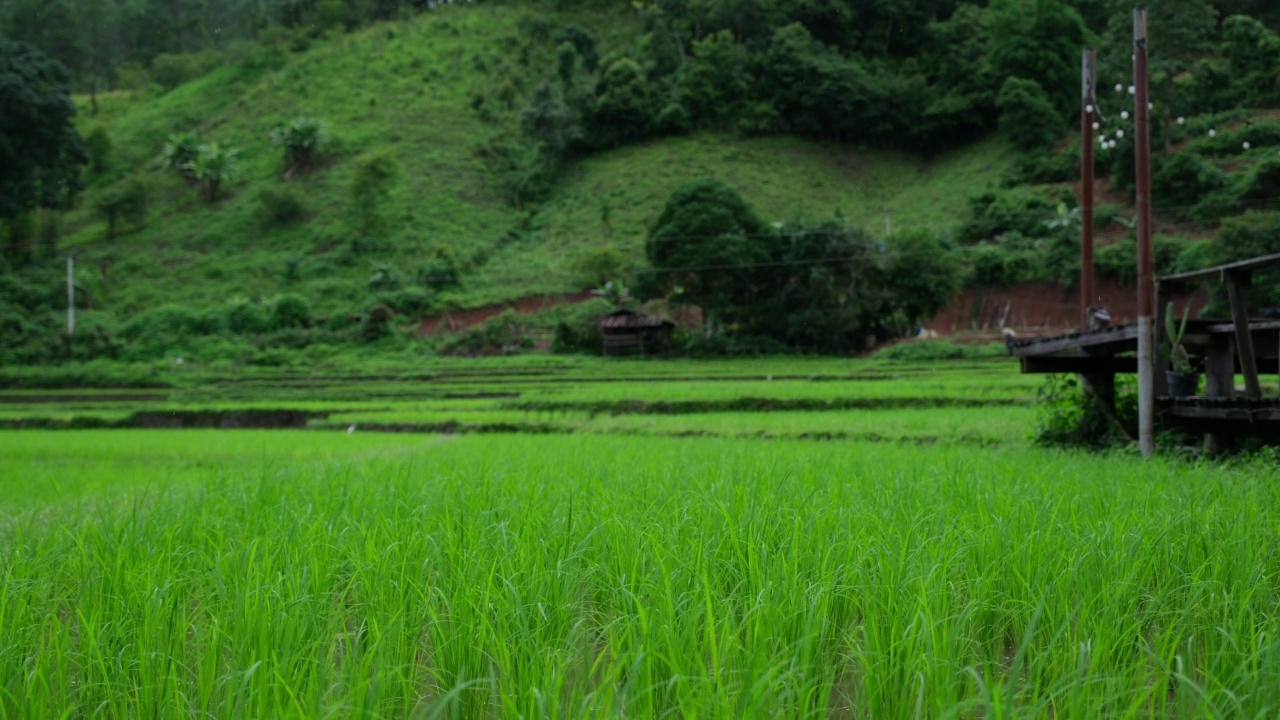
(1219, 364)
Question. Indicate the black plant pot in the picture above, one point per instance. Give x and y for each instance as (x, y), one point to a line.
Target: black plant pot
(1182, 385)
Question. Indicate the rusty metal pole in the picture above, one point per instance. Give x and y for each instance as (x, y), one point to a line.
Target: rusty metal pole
(1146, 271)
(1088, 111)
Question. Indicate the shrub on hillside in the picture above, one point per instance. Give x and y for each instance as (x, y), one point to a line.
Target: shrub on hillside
(1240, 238)
(303, 140)
(996, 265)
(1184, 180)
(1106, 215)
(370, 190)
(1119, 261)
(290, 311)
(278, 207)
(1027, 115)
(1196, 255)
(377, 323)
(125, 201)
(439, 274)
(504, 334)
(1025, 211)
(167, 324)
(384, 278)
(180, 152)
(214, 167)
(412, 301)
(98, 143)
(172, 70)
(1260, 187)
(1044, 166)
(245, 317)
(595, 266)
(578, 330)
(582, 41)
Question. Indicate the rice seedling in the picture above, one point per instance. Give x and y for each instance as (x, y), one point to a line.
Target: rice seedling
(306, 574)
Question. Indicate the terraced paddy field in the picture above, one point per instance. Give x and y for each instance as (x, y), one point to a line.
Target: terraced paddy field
(550, 537)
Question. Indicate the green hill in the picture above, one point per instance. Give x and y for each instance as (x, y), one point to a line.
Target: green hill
(407, 89)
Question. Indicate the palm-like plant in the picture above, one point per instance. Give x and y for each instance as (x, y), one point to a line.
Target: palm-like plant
(302, 140)
(213, 167)
(1174, 349)
(179, 151)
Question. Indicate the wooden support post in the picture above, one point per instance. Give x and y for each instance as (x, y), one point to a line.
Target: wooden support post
(1146, 271)
(1088, 110)
(1219, 381)
(1159, 381)
(1244, 340)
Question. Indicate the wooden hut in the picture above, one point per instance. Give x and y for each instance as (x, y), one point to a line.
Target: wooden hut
(626, 331)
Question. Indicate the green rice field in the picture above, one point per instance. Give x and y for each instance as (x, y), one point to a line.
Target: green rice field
(587, 539)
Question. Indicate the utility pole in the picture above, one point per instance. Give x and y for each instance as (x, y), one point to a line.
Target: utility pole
(888, 226)
(1088, 111)
(1146, 273)
(71, 295)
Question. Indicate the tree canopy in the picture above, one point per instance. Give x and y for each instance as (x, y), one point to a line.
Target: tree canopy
(819, 285)
(705, 247)
(40, 151)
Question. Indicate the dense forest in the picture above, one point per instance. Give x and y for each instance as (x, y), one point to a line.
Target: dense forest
(916, 74)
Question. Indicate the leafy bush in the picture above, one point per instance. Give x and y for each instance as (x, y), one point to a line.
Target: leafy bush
(1045, 166)
(407, 301)
(125, 201)
(370, 189)
(1196, 255)
(214, 167)
(303, 140)
(1240, 238)
(439, 274)
(1068, 417)
(1260, 187)
(290, 311)
(596, 265)
(504, 334)
(98, 143)
(170, 71)
(377, 323)
(1021, 210)
(1027, 115)
(245, 317)
(165, 324)
(180, 152)
(927, 350)
(385, 277)
(278, 207)
(1106, 215)
(1229, 137)
(998, 265)
(578, 330)
(582, 41)
(1184, 180)
(1119, 261)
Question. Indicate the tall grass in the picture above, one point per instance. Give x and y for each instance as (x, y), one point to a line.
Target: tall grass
(308, 575)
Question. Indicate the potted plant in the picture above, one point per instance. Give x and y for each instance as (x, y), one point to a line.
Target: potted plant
(1183, 379)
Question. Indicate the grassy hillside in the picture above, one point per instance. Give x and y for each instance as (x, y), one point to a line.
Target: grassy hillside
(407, 89)
(613, 198)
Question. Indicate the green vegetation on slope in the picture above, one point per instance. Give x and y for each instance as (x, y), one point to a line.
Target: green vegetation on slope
(614, 198)
(405, 89)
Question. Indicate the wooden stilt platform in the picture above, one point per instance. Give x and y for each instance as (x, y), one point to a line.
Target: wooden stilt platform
(1220, 349)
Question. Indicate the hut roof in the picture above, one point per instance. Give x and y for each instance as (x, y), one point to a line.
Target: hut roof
(631, 320)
